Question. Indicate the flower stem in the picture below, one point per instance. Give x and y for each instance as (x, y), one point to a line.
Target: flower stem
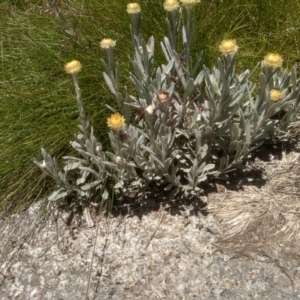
(82, 115)
(188, 37)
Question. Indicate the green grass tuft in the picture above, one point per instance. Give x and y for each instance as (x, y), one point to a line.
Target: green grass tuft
(38, 107)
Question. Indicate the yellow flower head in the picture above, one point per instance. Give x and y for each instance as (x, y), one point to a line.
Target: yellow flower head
(107, 43)
(170, 5)
(133, 8)
(275, 95)
(272, 60)
(228, 47)
(73, 67)
(116, 122)
(189, 3)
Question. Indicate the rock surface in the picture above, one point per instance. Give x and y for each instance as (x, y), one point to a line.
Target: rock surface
(163, 254)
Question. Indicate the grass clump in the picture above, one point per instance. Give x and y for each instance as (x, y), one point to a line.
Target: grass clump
(38, 107)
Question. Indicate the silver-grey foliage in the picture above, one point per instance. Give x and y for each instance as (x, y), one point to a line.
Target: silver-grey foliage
(184, 123)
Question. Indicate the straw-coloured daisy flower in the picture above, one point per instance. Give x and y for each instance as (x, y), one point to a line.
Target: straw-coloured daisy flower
(133, 8)
(170, 5)
(272, 60)
(228, 47)
(116, 122)
(275, 95)
(73, 67)
(189, 3)
(107, 43)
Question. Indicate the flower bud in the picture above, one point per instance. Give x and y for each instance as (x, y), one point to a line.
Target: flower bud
(141, 49)
(150, 109)
(163, 96)
(125, 138)
(43, 164)
(99, 147)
